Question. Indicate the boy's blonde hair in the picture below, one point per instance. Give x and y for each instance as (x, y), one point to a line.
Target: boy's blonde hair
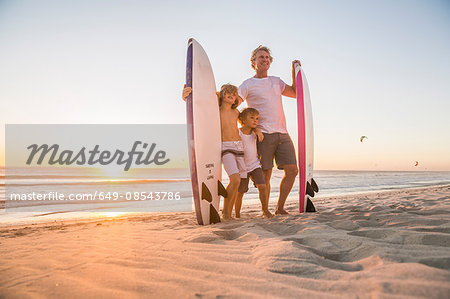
(253, 57)
(228, 88)
(247, 111)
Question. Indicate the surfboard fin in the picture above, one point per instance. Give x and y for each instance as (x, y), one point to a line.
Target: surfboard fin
(310, 208)
(309, 189)
(221, 189)
(206, 194)
(314, 185)
(213, 215)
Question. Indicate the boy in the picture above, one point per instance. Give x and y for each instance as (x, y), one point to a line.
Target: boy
(249, 120)
(232, 147)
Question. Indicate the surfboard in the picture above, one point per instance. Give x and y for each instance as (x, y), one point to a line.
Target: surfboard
(204, 135)
(307, 185)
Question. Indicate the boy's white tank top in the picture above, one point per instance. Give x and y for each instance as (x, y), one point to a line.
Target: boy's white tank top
(250, 151)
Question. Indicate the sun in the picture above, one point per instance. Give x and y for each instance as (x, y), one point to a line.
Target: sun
(112, 214)
(113, 171)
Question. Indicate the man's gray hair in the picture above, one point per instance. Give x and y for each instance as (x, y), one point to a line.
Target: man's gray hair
(263, 48)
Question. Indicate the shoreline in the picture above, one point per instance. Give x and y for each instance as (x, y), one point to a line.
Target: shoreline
(99, 216)
(290, 206)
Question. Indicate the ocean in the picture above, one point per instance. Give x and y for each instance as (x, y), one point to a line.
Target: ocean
(161, 190)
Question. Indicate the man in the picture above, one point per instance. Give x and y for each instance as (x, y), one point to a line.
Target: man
(263, 93)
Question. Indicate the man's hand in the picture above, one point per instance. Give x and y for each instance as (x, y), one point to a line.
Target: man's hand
(291, 91)
(294, 62)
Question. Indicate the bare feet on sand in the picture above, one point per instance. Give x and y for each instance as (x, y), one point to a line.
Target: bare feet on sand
(281, 212)
(226, 217)
(267, 214)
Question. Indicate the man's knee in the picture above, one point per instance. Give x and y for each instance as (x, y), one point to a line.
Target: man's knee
(290, 170)
(267, 175)
(261, 187)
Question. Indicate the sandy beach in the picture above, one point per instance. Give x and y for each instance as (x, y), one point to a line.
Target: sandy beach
(393, 244)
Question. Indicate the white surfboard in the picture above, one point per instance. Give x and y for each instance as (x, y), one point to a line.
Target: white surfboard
(307, 185)
(204, 135)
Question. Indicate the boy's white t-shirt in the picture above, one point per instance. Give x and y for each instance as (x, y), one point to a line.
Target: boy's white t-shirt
(250, 151)
(264, 94)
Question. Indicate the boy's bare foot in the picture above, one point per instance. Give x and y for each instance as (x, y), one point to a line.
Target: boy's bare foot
(267, 214)
(281, 212)
(237, 215)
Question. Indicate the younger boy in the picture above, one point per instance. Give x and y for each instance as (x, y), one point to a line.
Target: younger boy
(249, 120)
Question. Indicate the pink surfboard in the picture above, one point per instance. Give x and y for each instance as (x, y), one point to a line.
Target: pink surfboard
(307, 185)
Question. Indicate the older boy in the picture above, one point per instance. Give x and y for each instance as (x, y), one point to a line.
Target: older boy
(232, 147)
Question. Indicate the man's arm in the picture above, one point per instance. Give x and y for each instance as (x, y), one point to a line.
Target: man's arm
(242, 94)
(240, 100)
(291, 90)
(259, 134)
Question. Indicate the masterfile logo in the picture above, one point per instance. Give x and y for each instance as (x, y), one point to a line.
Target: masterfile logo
(126, 168)
(95, 156)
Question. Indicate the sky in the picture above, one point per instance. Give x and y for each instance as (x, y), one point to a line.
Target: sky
(374, 68)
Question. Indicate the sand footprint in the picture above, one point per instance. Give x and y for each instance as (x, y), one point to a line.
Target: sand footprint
(346, 224)
(291, 258)
(377, 234)
(228, 234)
(205, 238)
(339, 250)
